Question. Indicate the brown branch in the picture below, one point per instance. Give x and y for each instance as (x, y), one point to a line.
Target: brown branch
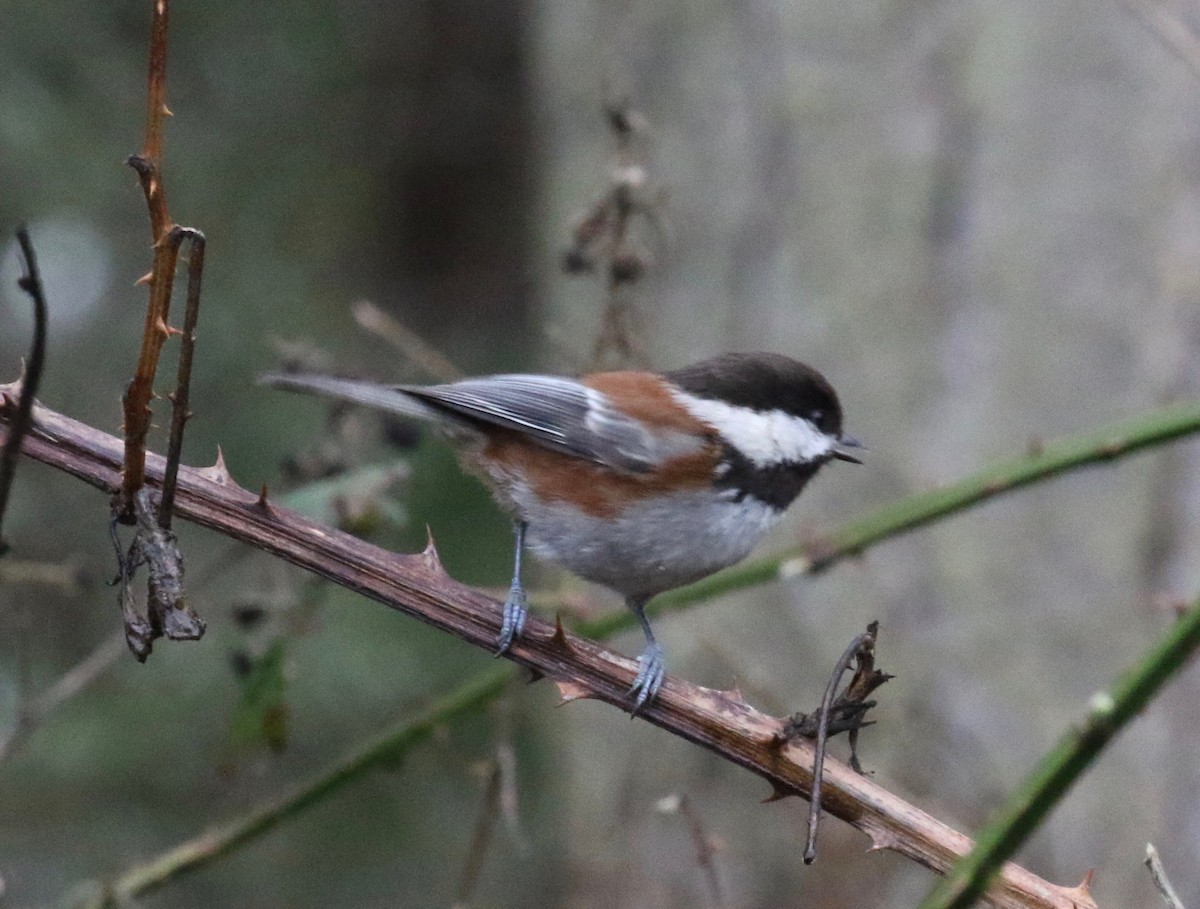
(155, 331)
(31, 283)
(418, 586)
(156, 97)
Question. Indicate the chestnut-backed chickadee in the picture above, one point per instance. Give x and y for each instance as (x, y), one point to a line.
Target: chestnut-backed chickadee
(639, 481)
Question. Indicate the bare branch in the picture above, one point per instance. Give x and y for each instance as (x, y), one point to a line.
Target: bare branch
(31, 283)
(1161, 882)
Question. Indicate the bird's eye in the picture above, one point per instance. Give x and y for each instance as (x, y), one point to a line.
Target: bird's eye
(818, 416)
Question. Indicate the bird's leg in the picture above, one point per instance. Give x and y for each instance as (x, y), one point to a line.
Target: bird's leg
(515, 607)
(651, 666)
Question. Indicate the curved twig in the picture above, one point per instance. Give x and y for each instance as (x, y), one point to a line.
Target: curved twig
(31, 283)
(179, 398)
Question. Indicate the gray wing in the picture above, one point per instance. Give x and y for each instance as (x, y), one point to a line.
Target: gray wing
(559, 414)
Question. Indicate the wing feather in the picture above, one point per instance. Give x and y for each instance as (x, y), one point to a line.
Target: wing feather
(560, 414)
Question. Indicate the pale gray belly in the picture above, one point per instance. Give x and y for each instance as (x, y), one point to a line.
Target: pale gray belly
(651, 546)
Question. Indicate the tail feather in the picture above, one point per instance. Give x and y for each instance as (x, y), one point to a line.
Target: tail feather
(382, 397)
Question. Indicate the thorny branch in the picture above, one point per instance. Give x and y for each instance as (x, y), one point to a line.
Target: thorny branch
(148, 164)
(30, 282)
(167, 239)
(418, 586)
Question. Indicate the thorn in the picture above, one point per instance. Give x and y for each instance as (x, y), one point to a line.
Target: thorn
(147, 278)
(262, 499)
(778, 793)
(433, 561)
(218, 473)
(535, 675)
(572, 691)
(1085, 885)
(166, 111)
(559, 638)
(1083, 893)
(166, 329)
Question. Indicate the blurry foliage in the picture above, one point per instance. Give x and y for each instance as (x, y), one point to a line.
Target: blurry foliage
(260, 717)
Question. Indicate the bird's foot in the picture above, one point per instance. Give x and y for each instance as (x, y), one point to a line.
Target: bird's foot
(515, 611)
(651, 671)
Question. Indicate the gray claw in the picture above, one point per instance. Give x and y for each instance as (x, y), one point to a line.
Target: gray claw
(651, 671)
(515, 611)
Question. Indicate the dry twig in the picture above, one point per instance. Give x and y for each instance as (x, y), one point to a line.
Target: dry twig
(187, 348)
(481, 838)
(1161, 882)
(845, 713)
(416, 349)
(69, 684)
(706, 844)
(30, 282)
(604, 234)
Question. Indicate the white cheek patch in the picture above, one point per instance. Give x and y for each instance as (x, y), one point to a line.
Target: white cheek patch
(768, 437)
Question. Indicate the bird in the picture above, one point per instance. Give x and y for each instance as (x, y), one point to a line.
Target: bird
(635, 480)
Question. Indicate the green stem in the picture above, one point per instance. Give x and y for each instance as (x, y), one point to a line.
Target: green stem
(1108, 444)
(1108, 713)
(387, 748)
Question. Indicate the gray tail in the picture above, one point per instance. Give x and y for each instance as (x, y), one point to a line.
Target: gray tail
(382, 397)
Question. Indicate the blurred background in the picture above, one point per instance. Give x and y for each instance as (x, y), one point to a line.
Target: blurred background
(980, 221)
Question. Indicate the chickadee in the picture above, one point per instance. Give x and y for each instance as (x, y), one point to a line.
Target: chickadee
(638, 481)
